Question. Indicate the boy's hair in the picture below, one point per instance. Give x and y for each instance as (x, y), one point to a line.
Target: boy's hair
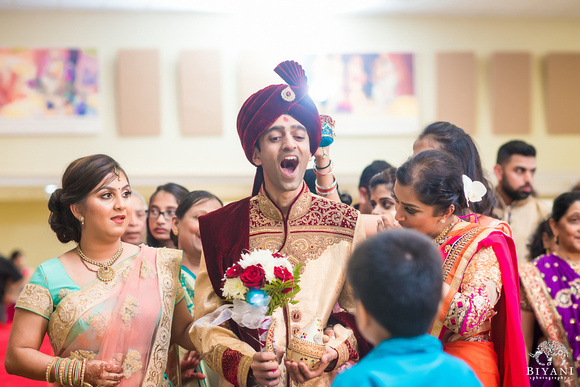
(397, 276)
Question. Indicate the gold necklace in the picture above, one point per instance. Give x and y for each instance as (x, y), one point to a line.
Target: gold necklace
(574, 265)
(444, 233)
(105, 273)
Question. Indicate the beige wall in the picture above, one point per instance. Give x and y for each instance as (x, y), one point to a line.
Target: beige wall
(217, 163)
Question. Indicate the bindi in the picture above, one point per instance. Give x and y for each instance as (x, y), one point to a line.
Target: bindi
(285, 119)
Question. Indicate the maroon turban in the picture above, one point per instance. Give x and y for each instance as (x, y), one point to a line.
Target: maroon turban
(264, 107)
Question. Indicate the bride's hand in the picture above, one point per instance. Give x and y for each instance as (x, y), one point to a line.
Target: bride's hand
(102, 374)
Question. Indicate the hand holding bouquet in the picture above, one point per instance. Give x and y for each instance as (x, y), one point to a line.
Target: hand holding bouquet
(256, 285)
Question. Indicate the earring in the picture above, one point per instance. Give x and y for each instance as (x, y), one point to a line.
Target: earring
(175, 232)
(442, 220)
(82, 219)
(556, 239)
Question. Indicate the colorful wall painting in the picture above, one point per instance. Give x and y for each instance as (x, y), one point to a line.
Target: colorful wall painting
(366, 94)
(49, 91)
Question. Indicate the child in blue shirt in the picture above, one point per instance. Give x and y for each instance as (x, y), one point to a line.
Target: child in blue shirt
(397, 282)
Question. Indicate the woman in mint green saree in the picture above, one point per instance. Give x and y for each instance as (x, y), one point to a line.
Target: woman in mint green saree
(110, 309)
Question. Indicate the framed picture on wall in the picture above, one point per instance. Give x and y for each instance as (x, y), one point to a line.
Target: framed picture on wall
(49, 91)
(366, 94)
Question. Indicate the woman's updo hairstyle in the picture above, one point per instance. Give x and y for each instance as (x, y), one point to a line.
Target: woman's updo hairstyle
(81, 178)
(436, 178)
(562, 204)
(453, 139)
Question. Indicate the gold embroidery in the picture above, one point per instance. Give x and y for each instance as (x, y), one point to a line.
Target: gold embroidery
(456, 249)
(480, 338)
(125, 273)
(168, 269)
(456, 313)
(63, 293)
(98, 322)
(483, 267)
(563, 298)
(314, 224)
(545, 311)
(131, 364)
(180, 293)
(213, 358)
(480, 310)
(37, 299)
(296, 315)
(74, 306)
(130, 309)
(146, 269)
(244, 369)
(82, 354)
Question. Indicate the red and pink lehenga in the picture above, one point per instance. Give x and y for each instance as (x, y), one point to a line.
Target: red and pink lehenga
(480, 318)
(125, 321)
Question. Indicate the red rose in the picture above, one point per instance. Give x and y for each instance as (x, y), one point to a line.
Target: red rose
(234, 271)
(282, 274)
(253, 276)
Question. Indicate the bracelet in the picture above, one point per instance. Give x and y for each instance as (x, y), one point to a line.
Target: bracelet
(61, 368)
(84, 367)
(317, 170)
(326, 193)
(65, 373)
(317, 167)
(326, 189)
(71, 368)
(322, 173)
(49, 368)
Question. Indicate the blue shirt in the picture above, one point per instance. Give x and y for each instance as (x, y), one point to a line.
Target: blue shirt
(408, 361)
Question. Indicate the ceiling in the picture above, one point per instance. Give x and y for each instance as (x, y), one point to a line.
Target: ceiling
(501, 8)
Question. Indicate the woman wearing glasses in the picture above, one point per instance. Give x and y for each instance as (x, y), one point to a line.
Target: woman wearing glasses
(162, 206)
(110, 308)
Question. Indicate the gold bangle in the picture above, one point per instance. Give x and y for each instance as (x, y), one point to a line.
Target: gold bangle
(84, 367)
(62, 367)
(71, 368)
(49, 368)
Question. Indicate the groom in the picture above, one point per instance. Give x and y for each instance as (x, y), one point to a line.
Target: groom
(279, 128)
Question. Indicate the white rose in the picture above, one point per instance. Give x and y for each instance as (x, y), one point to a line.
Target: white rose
(234, 289)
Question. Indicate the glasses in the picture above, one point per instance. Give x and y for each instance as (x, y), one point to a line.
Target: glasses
(155, 213)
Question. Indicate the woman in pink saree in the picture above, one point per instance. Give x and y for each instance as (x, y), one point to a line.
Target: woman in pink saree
(110, 308)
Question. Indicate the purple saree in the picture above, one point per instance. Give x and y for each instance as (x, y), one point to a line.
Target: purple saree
(552, 288)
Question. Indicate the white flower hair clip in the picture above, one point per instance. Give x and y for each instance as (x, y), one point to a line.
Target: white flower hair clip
(474, 190)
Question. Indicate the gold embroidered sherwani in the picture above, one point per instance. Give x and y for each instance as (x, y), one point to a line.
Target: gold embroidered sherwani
(318, 233)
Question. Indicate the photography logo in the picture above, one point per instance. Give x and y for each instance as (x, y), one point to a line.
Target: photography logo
(547, 355)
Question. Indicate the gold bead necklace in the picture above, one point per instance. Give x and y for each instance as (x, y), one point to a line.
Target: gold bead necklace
(105, 273)
(444, 233)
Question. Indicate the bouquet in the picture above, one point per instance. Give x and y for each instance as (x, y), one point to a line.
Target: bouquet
(256, 285)
(262, 278)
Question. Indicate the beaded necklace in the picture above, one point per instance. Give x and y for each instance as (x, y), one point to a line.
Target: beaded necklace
(105, 272)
